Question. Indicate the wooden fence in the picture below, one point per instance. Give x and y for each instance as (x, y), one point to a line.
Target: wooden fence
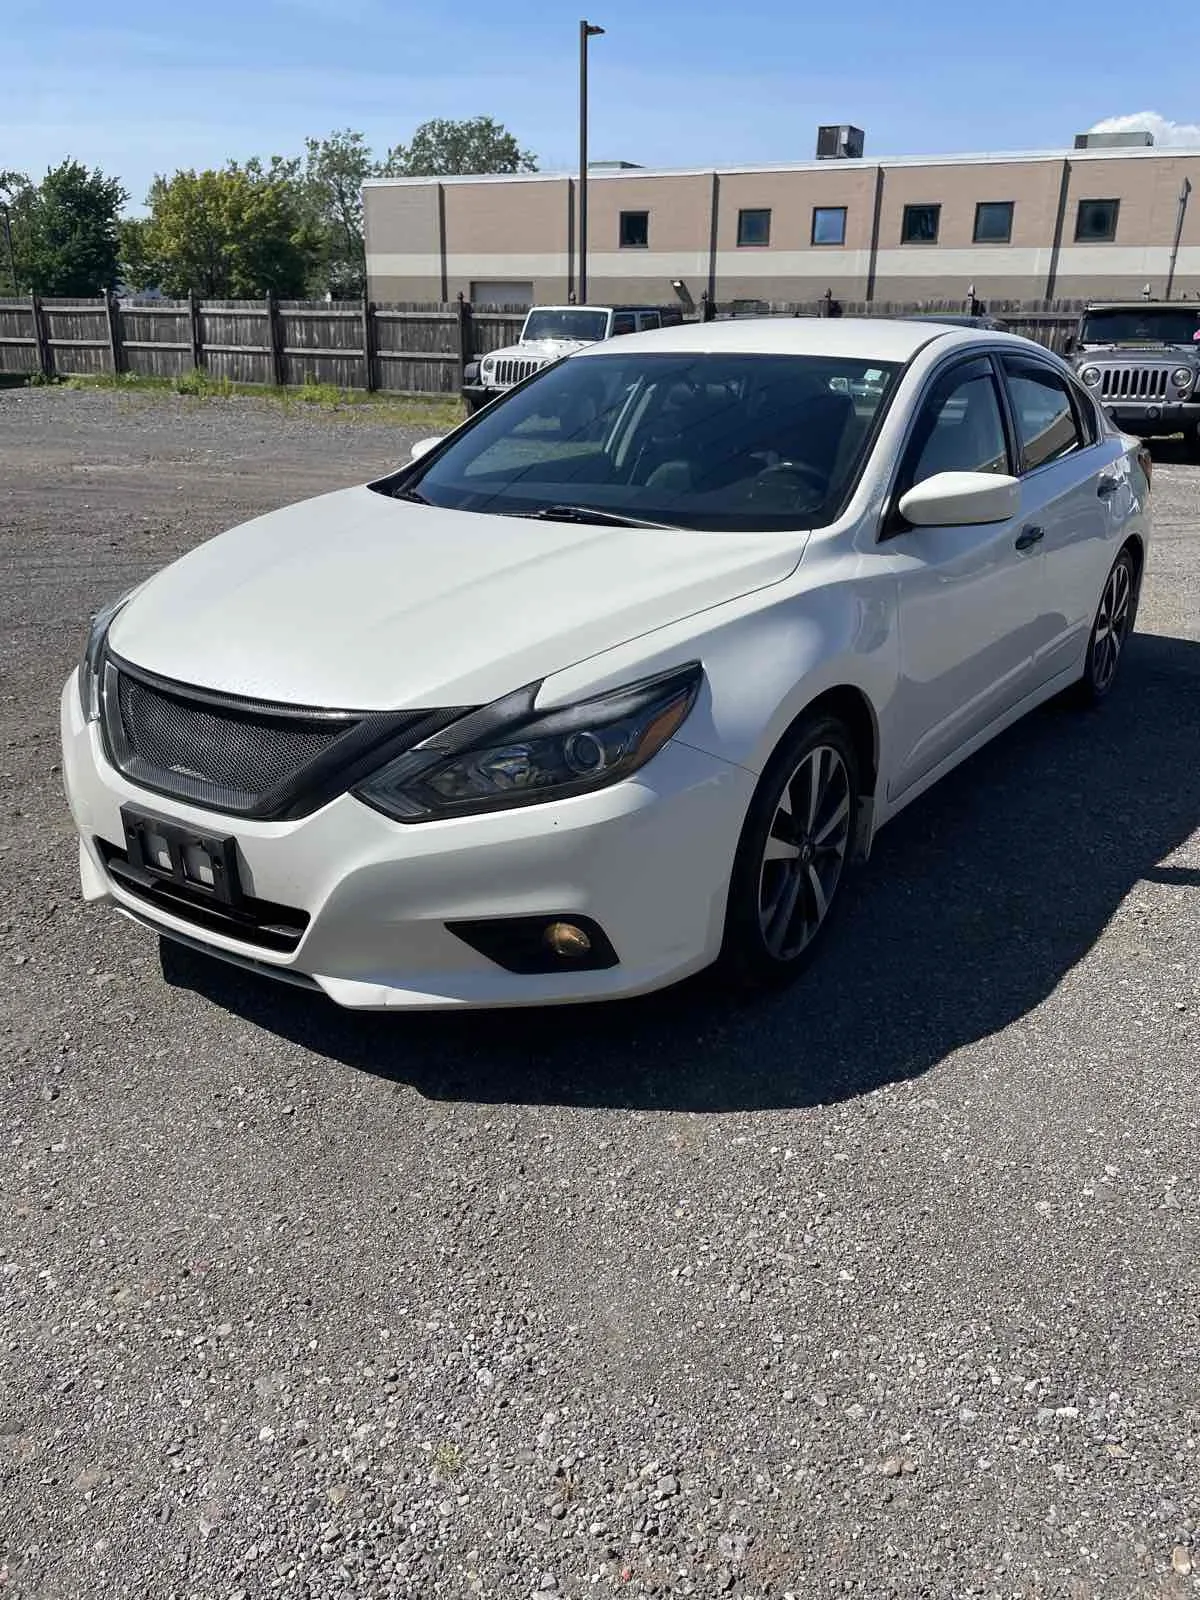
(403, 349)
(1048, 322)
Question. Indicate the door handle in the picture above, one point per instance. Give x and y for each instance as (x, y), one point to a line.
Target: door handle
(1107, 485)
(1029, 536)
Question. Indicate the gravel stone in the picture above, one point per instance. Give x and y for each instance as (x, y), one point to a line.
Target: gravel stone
(718, 1261)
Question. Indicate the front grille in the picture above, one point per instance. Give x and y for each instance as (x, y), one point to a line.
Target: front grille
(1133, 383)
(245, 757)
(514, 370)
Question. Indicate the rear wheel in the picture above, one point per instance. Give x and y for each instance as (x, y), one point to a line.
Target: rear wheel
(792, 856)
(1110, 631)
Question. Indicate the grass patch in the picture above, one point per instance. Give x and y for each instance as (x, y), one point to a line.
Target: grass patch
(436, 413)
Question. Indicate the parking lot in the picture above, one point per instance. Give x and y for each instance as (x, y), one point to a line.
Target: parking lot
(886, 1286)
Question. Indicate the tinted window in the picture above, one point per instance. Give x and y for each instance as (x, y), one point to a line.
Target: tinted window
(754, 227)
(635, 230)
(1096, 220)
(622, 322)
(1045, 416)
(719, 442)
(1135, 325)
(649, 319)
(993, 221)
(920, 224)
(960, 428)
(829, 225)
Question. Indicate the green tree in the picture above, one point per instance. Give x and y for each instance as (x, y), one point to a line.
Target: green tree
(64, 230)
(231, 234)
(443, 149)
(334, 171)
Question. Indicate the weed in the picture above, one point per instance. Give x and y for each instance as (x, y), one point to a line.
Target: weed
(448, 1459)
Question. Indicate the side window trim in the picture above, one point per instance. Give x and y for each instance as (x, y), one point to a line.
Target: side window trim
(890, 522)
(1089, 434)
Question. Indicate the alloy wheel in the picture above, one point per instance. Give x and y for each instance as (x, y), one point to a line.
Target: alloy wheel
(1112, 625)
(804, 853)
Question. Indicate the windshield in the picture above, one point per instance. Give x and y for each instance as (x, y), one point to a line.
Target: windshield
(720, 442)
(1164, 325)
(567, 322)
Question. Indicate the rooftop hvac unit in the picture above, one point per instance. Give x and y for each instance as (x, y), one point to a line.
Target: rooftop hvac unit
(840, 141)
(1138, 139)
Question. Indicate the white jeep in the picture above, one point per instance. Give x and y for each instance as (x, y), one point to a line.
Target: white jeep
(549, 334)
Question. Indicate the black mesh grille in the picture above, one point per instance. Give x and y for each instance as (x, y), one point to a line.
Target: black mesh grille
(246, 757)
(247, 751)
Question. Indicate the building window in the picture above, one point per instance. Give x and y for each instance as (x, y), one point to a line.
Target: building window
(920, 224)
(993, 221)
(1096, 221)
(829, 225)
(754, 227)
(635, 230)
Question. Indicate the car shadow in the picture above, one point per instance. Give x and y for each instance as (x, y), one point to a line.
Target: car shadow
(977, 901)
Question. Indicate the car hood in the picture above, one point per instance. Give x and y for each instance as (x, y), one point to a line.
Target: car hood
(359, 601)
(546, 349)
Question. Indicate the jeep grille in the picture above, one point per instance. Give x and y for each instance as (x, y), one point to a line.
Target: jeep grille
(1133, 383)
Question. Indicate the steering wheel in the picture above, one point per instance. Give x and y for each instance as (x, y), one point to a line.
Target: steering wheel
(781, 472)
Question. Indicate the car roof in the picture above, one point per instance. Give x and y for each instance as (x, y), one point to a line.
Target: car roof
(868, 338)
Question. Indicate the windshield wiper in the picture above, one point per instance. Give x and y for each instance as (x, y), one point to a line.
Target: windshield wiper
(410, 494)
(595, 514)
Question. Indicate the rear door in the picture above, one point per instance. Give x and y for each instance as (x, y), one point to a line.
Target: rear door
(967, 596)
(1076, 488)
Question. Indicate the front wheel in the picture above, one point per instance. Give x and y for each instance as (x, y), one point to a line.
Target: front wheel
(792, 856)
(1110, 631)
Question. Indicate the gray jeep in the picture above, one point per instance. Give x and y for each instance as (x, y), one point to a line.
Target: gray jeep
(1141, 359)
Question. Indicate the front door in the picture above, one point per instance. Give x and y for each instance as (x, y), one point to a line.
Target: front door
(967, 597)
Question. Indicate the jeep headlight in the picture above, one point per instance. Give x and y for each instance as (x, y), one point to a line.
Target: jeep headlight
(509, 754)
(1183, 377)
(1090, 376)
(488, 367)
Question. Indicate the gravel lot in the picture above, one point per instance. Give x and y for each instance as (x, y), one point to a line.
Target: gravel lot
(889, 1286)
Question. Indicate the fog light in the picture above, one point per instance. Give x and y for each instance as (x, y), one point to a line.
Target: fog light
(566, 940)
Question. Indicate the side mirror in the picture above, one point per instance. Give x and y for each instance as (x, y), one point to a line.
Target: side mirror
(423, 447)
(954, 499)
(1069, 345)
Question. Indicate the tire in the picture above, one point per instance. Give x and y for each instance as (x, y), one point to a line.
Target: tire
(788, 854)
(1110, 631)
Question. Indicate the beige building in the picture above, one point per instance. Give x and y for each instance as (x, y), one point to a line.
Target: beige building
(1074, 224)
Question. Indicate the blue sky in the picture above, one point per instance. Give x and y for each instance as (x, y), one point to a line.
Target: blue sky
(153, 88)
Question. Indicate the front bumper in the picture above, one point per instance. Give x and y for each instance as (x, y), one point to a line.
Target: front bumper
(478, 395)
(1153, 418)
(648, 860)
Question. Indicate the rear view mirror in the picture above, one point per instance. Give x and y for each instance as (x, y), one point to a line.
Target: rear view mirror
(953, 499)
(423, 447)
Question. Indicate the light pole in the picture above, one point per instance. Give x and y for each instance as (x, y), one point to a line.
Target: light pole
(587, 30)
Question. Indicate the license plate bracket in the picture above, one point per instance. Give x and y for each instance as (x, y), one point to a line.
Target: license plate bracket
(205, 864)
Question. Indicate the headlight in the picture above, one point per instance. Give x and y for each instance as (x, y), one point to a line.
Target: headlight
(1183, 377)
(488, 365)
(1090, 376)
(508, 754)
(89, 667)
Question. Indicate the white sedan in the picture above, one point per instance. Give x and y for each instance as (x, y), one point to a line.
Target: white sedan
(615, 681)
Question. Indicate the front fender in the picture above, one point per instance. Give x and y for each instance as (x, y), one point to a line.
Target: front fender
(764, 663)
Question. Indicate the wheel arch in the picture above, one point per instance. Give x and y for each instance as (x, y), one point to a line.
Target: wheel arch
(852, 707)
